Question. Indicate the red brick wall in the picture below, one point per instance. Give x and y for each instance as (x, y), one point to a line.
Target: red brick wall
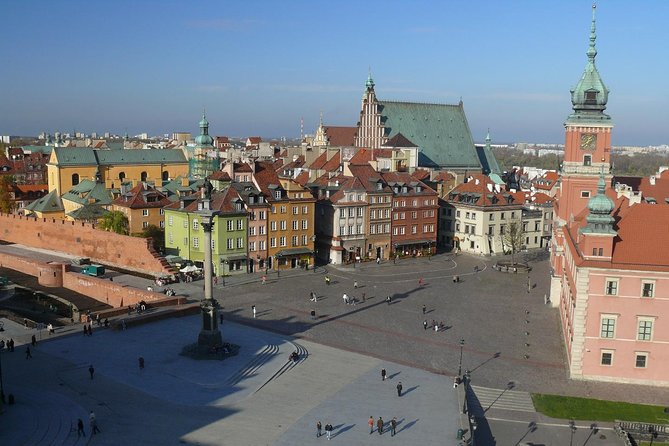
(23, 264)
(79, 239)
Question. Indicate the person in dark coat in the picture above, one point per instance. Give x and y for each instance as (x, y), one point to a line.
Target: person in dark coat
(399, 388)
(379, 426)
(383, 374)
(80, 428)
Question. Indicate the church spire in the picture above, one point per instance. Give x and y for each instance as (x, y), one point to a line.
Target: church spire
(592, 51)
(370, 82)
(600, 206)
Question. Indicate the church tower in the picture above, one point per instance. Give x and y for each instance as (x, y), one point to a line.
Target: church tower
(370, 128)
(587, 140)
(203, 163)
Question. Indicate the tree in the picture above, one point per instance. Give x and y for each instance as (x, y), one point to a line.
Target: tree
(7, 204)
(115, 221)
(157, 236)
(513, 238)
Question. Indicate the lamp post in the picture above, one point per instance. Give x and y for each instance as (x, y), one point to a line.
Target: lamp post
(465, 381)
(462, 344)
(313, 240)
(572, 428)
(278, 269)
(474, 424)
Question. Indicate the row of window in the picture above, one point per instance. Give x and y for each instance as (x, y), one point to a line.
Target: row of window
(647, 287)
(401, 230)
(352, 212)
(380, 228)
(379, 213)
(282, 241)
(414, 203)
(640, 361)
(145, 212)
(296, 210)
(414, 215)
(282, 225)
(350, 230)
(644, 328)
(385, 199)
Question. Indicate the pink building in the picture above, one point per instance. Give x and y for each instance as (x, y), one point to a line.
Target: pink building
(610, 254)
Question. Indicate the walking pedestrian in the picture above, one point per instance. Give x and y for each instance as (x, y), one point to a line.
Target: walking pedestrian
(328, 430)
(50, 329)
(319, 426)
(370, 422)
(264, 280)
(399, 388)
(436, 328)
(379, 426)
(85, 330)
(90, 330)
(425, 324)
(355, 284)
(94, 423)
(253, 307)
(80, 428)
(314, 297)
(28, 354)
(33, 341)
(91, 370)
(345, 297)
(141, 362)
(424, 309)
(327, 280)
(420, 282)
(389, 299)
(383, 374)
(10, 344)
(378, 260)
(122, 324)
(434, 323)
(363, 297)
(393, 426)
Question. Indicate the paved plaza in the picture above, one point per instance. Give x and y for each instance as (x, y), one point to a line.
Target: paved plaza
(512, 347)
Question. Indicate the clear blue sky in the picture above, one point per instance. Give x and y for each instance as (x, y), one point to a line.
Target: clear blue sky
(258, 66)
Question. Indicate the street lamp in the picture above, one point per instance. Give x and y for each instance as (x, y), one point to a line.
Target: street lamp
(462, 344)
(474, 424)
(572, 428)
(465, 381)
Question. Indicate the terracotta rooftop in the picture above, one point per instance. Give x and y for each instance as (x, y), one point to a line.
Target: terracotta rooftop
(333, 163)
(220, 175)
(659, 191)
(340, 136)
(141, 197)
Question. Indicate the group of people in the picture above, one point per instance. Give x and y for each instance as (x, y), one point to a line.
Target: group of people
(436, 326)
(380, 425)
(328, 430)
(9, 344)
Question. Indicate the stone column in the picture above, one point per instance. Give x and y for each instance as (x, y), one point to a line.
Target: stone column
(210, 335)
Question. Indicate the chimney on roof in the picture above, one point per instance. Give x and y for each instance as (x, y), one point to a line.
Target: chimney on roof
(476, 182)
(652, 180)
(489, 186)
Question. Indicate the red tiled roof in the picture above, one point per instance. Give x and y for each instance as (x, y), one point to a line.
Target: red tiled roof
(220, 175)
(242, 167)
(421, 174)
(407, 179)
(333, 163)
(25, 188)
(361, 157)
(141, 197)
(659, 190)
(399, 140)
(255, 139)
(265, 175)
(478, 184)
(319, 162)
(340, 136)
(444, 176)
(303, 178)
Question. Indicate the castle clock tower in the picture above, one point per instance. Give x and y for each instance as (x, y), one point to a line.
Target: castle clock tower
(587, 140)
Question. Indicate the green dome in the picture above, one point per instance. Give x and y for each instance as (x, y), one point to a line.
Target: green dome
(600, 204)
(204, 122)
(203, 139)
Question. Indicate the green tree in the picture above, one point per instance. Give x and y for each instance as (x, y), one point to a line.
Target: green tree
(512, 238)
(115, 221)
(157, 236)
(7, 204)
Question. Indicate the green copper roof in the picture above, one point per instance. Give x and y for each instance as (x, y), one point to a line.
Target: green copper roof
(487, 158)
(440, 131)
(590, 95)
(370, 81)
(88, 212)
(85, 156)
(51, 202)
(88, 190)
(600, 206)
(203, 139)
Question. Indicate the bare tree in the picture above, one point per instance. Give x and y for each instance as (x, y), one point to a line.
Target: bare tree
(512, 238)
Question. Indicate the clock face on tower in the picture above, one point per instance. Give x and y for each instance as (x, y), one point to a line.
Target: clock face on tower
(588, 141)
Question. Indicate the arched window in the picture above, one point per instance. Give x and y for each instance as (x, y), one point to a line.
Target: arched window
(142, 176)
(166, 175)
(75, 179)
(121, 176)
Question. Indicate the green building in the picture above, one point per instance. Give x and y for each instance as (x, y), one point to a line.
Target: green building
(184, 235)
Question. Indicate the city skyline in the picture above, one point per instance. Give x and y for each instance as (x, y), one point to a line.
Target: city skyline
(259, 68)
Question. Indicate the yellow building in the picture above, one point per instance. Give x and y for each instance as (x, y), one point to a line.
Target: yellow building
(143, 205)
(70, 165)
(290, 220)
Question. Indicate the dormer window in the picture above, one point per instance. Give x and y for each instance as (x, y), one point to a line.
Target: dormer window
(238, 206)
(277, 194)
(404, 189)
(379, 186)
(418, 188)
(591, 97)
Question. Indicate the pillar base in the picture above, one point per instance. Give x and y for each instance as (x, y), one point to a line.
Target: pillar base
(210, 335)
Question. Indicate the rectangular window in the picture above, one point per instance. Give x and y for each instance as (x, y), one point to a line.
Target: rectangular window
(305, 209)
(196, 242)
(230, 243)
(492, 217)
(351, 212)
(185, 223)
(402, 230)
(607, 357)
(261, 229)
(262, 215)
(282, 241)
(402, 215)
(342, 230)
(491, 230)
(296, 225)
(304, 240)
(350, 230)
(386, 228)
(305, 224)
(359, 229)
(261, 245)
(282, 209)
(502, 216)
(414, 215)
(641, 360)
(162, 211)
(585, 194)
(296, 210)
(395, 231)
(170, 220)
(230, 225)
(608, 327)
(611, 287)
(195, 225)
(272, 242)
(293, 240)
(645, 332)
(360, 212)
(162, 223)
(252, 230)
(342, 213)
(277, 194)
(240, 224)
(145, 224)
(372, 229)
(186, 241)
(145, 212)
(647, 288)
(240, 242)
(252, 246)
(272, 226)
(457, 214)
